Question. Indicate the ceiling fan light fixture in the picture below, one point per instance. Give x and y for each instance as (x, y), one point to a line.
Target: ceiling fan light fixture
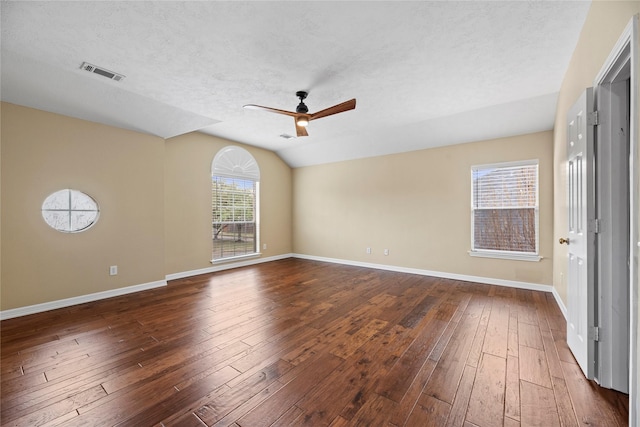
(302, 121)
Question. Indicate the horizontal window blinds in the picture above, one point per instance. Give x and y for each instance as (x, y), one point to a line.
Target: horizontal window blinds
(233, 200)
(505, 187)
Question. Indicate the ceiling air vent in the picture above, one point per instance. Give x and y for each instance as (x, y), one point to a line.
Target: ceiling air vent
(97, 70)
(286, 136)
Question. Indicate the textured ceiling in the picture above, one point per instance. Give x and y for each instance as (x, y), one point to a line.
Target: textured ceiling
(424, 74)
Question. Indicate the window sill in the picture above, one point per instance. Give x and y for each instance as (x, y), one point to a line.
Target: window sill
(506, 255)
(236, 258)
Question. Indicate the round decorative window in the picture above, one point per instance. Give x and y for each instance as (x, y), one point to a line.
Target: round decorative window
(70, 211)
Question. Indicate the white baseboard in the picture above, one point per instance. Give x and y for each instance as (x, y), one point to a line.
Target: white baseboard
(226, 266)
(444, 275)
(67, 302)
(52, 305)
(563, 308)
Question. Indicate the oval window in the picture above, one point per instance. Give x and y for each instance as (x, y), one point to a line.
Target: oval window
(70, 211)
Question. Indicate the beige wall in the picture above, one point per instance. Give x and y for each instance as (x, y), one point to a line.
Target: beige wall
(418, 206)
(154, 197)
(188, 201)
(604, 25)
(122, 170)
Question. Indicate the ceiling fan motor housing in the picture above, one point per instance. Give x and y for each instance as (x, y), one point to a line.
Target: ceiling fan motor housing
(302, 107)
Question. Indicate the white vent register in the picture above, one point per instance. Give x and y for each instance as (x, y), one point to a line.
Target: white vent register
(101, 71)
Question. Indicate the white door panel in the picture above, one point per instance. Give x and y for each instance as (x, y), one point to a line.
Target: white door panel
(580, 285)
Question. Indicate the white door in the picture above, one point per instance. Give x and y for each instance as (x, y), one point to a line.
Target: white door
(580, 241)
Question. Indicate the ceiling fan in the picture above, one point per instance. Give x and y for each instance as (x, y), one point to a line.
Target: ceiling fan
(302, 116)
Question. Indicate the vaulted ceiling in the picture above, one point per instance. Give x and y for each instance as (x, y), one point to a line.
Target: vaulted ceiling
(424, 74)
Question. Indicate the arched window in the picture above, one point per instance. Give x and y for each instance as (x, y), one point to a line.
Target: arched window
(235, 179)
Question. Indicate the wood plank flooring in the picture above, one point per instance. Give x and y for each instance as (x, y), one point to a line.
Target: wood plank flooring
(301, 343)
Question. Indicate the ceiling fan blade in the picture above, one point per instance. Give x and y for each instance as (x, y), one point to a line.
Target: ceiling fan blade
(273, 110)
(300, 130)
(345, 106)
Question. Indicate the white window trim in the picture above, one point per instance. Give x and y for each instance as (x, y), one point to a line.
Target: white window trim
(236, 258)
(516, 256)
(508, 255)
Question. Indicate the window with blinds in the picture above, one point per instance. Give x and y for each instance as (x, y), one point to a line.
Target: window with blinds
(234, 200)
(505, 208)
(234, 225)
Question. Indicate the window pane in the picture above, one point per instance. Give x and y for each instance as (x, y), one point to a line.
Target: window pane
(57, 219)
(505, 229)
(233, 239)
(57, 200)
(82, 202)
(82, 219)
(505, 187)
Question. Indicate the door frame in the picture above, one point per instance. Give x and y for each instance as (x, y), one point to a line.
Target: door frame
(613, 238)
(628, 45)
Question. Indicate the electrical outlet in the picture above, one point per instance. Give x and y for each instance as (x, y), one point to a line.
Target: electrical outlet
(264, 247)
(113, 270)
(386, 251)
(369, 250)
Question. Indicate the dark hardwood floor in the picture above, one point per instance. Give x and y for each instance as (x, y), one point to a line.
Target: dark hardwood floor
(297, 343)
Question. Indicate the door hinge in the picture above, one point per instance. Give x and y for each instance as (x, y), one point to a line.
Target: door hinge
(594, 226)
(593, 119)
(594, 333)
